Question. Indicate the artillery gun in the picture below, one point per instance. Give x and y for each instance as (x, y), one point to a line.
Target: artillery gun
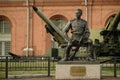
(56, 33)
(110, 46)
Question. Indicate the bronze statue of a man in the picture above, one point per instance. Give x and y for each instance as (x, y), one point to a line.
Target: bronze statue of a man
(80, 34)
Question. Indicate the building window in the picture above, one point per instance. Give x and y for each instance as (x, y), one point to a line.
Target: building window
(5, 36)
(0, 48)
(4, 26)
(110, 19)
(7, 47)
(60, 21)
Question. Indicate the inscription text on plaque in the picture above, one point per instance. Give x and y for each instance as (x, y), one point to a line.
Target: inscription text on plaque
(78, 71)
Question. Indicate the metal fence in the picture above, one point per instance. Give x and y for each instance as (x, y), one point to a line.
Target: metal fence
(42, 65)
(46, 66)
(110, 66)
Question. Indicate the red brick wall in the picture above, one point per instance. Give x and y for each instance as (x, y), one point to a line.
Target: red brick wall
(17, 17)
(40, 41)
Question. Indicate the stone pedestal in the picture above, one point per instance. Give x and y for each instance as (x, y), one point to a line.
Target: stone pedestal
(78, 70)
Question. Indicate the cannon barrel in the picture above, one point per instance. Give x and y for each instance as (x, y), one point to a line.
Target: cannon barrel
(114, 22)
(108, 23)
(57, 34)
(111, 25)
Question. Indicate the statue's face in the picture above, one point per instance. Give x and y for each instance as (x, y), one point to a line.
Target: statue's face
(78, 14)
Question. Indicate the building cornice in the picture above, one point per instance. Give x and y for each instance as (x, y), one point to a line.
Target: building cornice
(105, 2)
(22, 3)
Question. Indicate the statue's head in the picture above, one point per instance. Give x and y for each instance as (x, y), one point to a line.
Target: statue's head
(78, 13)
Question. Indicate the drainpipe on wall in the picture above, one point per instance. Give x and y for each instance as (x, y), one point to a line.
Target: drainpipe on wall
(86, 4)
(27, 49)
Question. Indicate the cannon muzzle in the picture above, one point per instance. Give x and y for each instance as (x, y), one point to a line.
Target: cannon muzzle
(35, 9)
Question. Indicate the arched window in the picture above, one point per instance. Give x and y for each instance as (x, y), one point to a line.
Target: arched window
(5, 36)
(108, 21)
(60, 21)
(4, 27)
(118, 26)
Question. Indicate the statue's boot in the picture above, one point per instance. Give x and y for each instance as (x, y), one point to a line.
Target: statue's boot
(65, 59)
(89, 58)
(73, 56)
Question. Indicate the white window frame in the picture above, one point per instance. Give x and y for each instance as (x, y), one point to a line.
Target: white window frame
(4, 37)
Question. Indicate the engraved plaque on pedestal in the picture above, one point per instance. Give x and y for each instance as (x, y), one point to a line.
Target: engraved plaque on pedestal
(78, 71)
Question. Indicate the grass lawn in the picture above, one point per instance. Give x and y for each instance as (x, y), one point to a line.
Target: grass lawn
(20, 68)
(110, 71)
(2, 73)
(105, 71)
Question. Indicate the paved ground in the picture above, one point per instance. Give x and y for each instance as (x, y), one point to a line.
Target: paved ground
(53, 78)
